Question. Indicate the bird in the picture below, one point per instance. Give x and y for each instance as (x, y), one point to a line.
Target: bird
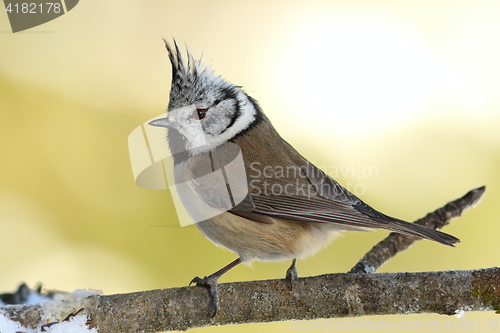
(246, 188)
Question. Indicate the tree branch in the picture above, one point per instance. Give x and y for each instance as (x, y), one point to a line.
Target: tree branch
(325, 296)
(395, 243)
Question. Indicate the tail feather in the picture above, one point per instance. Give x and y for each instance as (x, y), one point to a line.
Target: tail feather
(413, 229)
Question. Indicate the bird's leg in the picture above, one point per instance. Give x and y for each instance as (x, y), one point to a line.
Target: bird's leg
(211, 282)
(291, 274)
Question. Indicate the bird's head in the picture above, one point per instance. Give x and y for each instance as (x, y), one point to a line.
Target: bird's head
(205, 110)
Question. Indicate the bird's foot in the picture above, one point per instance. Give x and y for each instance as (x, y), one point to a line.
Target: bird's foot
(211, 283)
(291, 274)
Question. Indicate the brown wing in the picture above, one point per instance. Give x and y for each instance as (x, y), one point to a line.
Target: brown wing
(326, 201)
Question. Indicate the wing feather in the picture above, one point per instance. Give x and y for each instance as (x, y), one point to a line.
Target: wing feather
(327, 202)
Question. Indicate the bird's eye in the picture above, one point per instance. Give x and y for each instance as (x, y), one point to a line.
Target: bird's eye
(200, 113)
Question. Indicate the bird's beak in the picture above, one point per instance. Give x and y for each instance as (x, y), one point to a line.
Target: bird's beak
(170, 120)
(162, 122)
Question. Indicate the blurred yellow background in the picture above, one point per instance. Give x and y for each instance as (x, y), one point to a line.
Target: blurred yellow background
(409, 89)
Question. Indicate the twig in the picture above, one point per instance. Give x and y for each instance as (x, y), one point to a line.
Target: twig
(395, 243)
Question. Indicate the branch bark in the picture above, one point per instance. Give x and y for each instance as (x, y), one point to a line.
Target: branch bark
(325, 296)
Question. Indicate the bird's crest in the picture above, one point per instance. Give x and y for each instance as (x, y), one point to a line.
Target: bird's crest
(191, 79)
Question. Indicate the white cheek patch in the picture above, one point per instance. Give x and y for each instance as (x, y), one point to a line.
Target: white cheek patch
(189, 126)
(219, 118)
(245, 118)
(196, 139)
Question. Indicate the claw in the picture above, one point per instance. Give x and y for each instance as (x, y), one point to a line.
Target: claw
(291, 274)
(210, 282)
(196, 279)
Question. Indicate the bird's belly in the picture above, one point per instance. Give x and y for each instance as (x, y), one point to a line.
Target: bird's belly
(253, 240)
